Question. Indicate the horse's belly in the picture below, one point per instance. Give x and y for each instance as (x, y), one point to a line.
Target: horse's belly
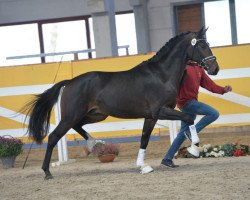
(127, 112)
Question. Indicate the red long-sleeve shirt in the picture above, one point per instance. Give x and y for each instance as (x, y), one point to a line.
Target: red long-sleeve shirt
(195, 77)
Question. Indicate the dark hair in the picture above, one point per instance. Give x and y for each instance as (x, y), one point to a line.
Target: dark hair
(192, 63)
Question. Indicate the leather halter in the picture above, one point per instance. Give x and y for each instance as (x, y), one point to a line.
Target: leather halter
(202, 63)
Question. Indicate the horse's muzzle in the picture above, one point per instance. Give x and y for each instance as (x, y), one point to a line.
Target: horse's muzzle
(213, 71)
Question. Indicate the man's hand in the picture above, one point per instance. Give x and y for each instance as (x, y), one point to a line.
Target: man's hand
(227, 88)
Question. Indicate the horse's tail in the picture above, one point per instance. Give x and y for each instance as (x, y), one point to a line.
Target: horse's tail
(40, 110)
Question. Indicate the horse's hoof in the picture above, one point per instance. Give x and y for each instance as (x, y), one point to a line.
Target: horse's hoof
(48, 177)
(145, 169)
(194, 151)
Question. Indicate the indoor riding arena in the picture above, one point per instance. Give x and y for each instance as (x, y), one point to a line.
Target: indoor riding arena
(46, 42)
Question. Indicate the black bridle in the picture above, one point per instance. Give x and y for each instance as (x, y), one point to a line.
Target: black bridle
(203, 61)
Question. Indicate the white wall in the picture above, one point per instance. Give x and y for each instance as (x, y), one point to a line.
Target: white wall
(12, 11)
(160, 14)
(161, 25)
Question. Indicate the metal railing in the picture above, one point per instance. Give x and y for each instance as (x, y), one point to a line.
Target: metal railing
(75, 53)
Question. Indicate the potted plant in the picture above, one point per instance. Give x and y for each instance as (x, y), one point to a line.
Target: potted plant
(10, 148)
(106, 152)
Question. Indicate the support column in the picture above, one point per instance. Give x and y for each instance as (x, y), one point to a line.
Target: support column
(141, 25)
(172, 130)
(103, 14)
(233, 22)
(62, 143)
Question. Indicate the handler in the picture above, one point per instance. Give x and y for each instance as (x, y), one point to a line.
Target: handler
(187, 101)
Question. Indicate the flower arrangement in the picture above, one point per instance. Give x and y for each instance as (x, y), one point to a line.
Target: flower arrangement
(208, 150)
(10, 146)
(211, 151)
(105, 148)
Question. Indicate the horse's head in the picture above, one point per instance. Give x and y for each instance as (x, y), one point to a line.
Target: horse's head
(200, 52)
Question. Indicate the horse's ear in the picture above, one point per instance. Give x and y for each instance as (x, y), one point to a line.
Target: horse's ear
(202, 32)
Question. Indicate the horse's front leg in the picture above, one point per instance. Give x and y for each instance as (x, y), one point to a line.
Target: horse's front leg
(172, 114)
(146, 132)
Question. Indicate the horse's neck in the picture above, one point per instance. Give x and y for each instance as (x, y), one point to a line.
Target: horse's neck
(173, 67)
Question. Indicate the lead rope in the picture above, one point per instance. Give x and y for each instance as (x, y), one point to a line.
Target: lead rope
(33, 140)
(28, 154)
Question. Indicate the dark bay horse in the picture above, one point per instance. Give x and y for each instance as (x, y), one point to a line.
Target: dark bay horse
(146, 91)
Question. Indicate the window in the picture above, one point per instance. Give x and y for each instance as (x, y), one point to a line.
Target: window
(126, 34)
(58, 37)
(217, 19)
(16, 41)
(242, 9)
(64, 36)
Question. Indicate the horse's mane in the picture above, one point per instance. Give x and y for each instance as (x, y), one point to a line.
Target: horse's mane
(165, 50)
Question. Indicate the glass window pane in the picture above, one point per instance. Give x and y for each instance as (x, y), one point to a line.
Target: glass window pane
(19, 40)
(242, 9)
(63, 37)
(217, 18)
(126, 34)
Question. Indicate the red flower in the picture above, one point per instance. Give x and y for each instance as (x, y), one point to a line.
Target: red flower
(238, 152)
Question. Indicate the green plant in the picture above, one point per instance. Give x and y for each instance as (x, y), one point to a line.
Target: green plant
(244, 148)
(228, 149)
(10, 146)
(103, 149)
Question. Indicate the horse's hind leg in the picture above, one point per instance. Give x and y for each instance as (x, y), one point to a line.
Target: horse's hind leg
(93, 118)
(82, 132)
(54, 137)
(146, 132)
(85, 135)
